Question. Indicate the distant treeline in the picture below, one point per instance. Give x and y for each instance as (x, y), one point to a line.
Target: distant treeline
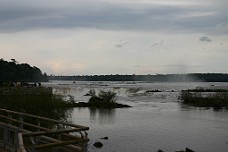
(13, 72)
(192, 77)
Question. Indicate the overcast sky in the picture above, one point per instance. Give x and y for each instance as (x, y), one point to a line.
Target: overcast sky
(84, 37)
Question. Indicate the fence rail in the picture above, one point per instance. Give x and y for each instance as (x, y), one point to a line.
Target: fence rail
(23, 132)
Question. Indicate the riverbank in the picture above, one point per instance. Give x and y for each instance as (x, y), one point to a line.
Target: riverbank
(34, 100)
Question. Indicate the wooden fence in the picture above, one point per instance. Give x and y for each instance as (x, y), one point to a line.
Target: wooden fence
(21, 132)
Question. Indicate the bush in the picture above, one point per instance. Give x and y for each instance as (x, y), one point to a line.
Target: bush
(38, 100)
(216, 100)
(107, 96)
(103, 96)
(92, 93)
(104, 99)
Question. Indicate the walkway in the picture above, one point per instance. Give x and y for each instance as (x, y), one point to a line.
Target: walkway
(24, 132)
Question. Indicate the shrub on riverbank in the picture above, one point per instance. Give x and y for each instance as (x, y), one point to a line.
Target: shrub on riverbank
(215, 99)
(34, 100)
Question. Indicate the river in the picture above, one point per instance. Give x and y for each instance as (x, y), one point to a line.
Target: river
(156, 120)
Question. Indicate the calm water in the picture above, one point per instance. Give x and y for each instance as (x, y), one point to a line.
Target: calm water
(156, 120)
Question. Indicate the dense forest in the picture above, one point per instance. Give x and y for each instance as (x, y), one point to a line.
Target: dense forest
(192, 77)
(13, 72)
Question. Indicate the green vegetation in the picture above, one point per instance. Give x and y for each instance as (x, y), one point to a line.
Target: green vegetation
(213, 99)
(14, 72)
(103, 100)
(34, 100)
(156, 90)
(106, 96)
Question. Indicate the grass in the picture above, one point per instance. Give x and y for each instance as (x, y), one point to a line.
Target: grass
(216, 99)
(34, 100)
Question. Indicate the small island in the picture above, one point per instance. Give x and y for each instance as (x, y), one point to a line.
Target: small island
(103, 100)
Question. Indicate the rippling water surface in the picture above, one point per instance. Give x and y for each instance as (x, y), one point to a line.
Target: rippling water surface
(157, 120)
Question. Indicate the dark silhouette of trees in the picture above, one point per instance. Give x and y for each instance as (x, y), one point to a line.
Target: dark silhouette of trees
(13, 71)
(192, 77)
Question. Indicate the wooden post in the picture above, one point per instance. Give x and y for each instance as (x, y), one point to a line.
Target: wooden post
(21, 120)
(9, 116)
(5, 136)
(38, 124)
(21, 147)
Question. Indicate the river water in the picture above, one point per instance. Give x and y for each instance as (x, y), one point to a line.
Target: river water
(156, 120)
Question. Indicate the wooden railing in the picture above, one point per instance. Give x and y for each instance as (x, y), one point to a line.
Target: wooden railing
(23, 132)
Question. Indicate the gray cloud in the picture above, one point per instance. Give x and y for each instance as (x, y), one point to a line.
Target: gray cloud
(121, 43)
(154, 44)
(205, 39)
(25, 15)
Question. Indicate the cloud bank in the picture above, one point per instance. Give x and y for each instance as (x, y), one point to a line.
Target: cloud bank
(168, 16)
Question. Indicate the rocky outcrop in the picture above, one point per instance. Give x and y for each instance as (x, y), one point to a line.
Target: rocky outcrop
(98, 144)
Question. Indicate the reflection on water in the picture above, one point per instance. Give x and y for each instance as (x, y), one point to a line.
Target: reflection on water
(161, 127)
(157, 120)
(104, 116)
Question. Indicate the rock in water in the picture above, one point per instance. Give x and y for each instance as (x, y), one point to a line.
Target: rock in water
(98, 144)
(105, 138)
(160, 150)
(188, 150)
